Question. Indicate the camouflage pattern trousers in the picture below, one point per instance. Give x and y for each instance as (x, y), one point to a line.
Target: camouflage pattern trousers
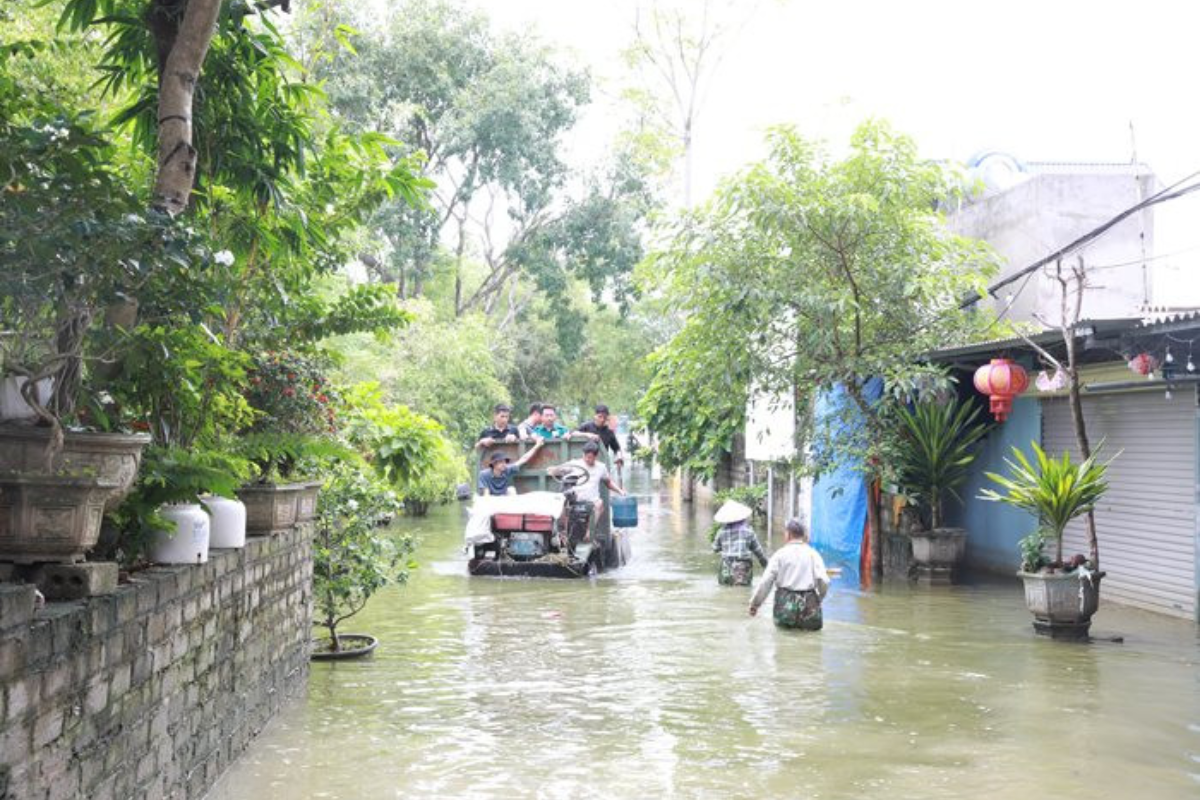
(735, 572)
(799, 609)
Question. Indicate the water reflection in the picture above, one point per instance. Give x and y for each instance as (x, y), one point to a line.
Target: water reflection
(652, 682)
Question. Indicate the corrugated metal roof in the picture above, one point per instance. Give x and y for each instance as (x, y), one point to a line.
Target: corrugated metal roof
(1087, 168)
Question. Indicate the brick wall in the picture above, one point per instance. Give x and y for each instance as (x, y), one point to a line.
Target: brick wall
(154, 690)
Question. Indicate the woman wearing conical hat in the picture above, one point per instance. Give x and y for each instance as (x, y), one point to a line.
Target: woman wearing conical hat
(737, 544)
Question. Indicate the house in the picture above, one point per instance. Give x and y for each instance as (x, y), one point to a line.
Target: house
(1147, 522)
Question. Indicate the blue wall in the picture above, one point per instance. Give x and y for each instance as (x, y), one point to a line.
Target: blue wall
(993, 529)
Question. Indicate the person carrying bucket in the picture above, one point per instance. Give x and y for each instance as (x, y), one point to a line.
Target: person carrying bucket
(798, 574)
(736, 542)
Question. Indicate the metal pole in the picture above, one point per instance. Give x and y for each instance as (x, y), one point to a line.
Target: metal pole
(770, 501)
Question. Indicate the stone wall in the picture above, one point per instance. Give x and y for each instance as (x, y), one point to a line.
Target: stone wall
(154, 690)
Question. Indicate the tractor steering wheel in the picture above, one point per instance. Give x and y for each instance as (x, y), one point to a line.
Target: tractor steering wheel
(569, 475)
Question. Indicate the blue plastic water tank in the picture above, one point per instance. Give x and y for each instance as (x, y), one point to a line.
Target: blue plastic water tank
(624, 512)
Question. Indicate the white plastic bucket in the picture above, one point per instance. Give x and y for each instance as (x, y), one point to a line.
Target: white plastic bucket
(188, 542)
(227, 522)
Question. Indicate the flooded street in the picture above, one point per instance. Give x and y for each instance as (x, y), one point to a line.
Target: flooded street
(651, 681)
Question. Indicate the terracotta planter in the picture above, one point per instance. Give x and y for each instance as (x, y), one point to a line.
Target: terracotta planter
(938, 554)
(270, 507)
(112, 458)
(306, 501)
(50, 518)
(1062, 604)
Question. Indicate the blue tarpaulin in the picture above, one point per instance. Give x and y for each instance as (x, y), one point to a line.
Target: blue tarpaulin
(839, 507)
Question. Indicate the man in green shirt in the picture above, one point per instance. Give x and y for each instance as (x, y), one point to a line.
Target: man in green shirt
(550, 427)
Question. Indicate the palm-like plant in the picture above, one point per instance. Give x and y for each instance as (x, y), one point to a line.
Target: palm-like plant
(1057, 490)
(938, 449)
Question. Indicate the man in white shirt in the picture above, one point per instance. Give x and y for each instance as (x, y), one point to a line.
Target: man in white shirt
(597, 474)
(798, 574)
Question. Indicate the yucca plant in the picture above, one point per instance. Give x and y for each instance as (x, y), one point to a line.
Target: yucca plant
(937, 451)
(1057, 490)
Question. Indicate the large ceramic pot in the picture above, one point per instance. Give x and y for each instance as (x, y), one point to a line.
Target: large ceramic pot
(113, 458)
(938, 554)
(306, 501)
(227, 522)
(269, 506)
(48, 518)
(1062, 604)
(185, 541)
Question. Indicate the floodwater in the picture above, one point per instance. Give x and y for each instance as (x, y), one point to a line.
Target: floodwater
(651, 682)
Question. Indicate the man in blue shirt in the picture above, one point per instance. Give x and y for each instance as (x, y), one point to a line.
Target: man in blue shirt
(496, 478)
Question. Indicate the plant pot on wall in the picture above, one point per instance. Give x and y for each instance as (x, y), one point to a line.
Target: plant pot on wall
(270, 507)
(938, 554)
(47, 518)
(306, 501)
(1062, 603)
(112, 458)
(185, 541)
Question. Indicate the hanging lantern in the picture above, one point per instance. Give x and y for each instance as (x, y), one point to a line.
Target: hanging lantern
(1001, 380)
(1143, 364)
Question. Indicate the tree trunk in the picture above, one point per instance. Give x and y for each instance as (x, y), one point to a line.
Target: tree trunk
(180, 72)
(458, 259)
(1076, 399)
(876, 533)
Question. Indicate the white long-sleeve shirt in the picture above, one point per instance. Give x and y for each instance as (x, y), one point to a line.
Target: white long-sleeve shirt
(795, 566)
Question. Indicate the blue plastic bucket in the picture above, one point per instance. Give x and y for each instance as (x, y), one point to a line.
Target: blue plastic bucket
(624, 512)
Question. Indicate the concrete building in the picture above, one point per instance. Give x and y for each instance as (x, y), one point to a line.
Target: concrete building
(1027, 210)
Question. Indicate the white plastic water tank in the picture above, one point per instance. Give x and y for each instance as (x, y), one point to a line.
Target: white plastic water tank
(188, 542)
(227, 522)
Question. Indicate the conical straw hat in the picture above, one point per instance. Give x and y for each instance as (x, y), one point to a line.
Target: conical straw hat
(732, 511)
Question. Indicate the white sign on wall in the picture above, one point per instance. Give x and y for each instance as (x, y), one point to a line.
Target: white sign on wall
(770, 427)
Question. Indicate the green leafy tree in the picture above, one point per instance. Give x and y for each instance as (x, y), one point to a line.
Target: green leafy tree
(353, 557)
(805, 273)
(447, 369)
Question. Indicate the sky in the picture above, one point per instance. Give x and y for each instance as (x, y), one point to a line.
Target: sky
(1045, 81)
(1055, 80)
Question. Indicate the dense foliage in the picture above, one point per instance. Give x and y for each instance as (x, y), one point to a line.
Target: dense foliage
(353, 556)
(936, 449)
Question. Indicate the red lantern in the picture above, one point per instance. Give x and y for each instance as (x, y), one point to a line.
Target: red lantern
(1001, 380)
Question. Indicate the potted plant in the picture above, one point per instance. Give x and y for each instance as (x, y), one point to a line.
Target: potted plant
(934, 457)
(80, 238)
(353, 557)
(296, 418)
(1062, 594)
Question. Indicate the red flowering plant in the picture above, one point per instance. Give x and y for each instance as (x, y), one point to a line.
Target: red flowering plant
(297, 417)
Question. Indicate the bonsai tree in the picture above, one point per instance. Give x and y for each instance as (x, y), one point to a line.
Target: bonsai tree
(935, 452)
(1057, 490)
(353, 557)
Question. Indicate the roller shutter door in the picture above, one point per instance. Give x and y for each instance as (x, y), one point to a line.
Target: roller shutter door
(1146, 522)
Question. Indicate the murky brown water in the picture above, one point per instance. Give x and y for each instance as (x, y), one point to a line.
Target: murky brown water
(651, 682)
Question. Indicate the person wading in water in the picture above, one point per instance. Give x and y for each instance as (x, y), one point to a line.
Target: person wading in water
(798, 574)
(736, 542)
